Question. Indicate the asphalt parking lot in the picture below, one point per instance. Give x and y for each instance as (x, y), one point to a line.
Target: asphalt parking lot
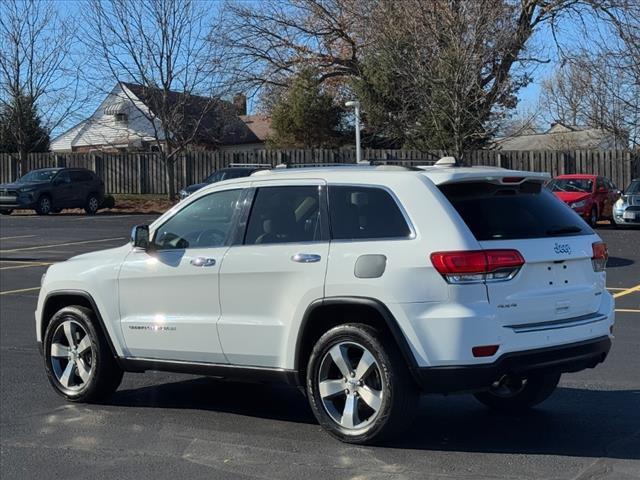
(161, 425)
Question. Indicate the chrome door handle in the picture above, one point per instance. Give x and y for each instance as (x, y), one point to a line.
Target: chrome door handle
(306, 258)
(203, 262)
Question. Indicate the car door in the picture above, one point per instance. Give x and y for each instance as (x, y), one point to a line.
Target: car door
(169, 294)
(80, 181)
(62, 190)
(273, 272)
(603, 198)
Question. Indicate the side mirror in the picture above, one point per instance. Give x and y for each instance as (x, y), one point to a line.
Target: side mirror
(140, 236)
(602, 190)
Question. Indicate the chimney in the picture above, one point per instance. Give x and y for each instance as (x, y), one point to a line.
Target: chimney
(240, 102)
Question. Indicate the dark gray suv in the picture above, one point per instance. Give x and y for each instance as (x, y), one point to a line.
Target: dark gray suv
(49, 190)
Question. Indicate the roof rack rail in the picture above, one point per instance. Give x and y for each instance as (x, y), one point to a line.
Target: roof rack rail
(235, 165)
(319, 164)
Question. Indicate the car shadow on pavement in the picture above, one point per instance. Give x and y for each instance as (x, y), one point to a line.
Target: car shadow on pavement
(574, 422)
(614, 262)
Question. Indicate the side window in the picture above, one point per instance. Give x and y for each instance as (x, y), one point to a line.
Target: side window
(63, 178)
(365, 213)
(204, 223)
(81, 176)
(284, 215)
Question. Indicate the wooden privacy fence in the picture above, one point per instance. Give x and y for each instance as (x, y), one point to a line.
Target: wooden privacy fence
(135, 173)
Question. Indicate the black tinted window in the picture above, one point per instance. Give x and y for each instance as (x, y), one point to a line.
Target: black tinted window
(204, 223)
(494, 212)
(63, 177)
(364, 213)
(284, 214)
(81, 176)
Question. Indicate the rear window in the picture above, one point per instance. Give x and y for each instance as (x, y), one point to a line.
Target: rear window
(580, 185)
(498, 212)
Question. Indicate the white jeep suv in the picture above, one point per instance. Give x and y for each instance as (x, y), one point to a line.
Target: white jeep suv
(361, 285)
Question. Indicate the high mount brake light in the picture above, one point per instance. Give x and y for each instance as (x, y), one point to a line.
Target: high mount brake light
(600, 256)
(477, 266)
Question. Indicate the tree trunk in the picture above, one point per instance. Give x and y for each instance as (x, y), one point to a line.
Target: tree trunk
(22, 161)
(171, 178)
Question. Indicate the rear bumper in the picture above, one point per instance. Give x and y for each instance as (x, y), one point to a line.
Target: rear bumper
(571, 357)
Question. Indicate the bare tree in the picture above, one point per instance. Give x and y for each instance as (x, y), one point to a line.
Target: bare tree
(159, 46)
(37, 68)
(273, 40)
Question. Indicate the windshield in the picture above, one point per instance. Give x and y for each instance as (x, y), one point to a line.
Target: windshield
(498, 212)
(570, 185)
(633, 189)
(39, 175)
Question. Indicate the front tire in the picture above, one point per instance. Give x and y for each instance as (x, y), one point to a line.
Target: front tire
(44, 206)
(77, 357)
(517, 394)
(359, 386)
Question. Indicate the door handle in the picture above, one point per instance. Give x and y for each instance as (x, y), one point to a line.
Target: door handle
(306, 258)
(203, 262)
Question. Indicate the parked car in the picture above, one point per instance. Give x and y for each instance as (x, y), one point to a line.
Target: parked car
(362, 285)
(626, 211)
(235, 170)
(49, 190)
(590, 196)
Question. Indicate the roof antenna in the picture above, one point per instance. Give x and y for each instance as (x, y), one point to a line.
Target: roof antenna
(447, 162)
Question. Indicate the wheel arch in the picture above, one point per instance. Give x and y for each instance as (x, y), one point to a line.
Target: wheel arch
(341, 310)
(56, 300)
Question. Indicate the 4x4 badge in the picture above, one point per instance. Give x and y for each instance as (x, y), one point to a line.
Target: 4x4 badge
(562, 248)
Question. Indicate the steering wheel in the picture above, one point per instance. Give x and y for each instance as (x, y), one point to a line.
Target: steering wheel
(210, 238)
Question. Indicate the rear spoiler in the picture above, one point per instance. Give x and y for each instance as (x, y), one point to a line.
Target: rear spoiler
(506, 177)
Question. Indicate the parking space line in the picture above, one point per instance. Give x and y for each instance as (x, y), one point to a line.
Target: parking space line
(28, 265)
(627, 310)
(627, 291)
(17, 236)
(61, 245)
(616, 288)
(9, 292)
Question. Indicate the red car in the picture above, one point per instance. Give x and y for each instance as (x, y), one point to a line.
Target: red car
(590, 196)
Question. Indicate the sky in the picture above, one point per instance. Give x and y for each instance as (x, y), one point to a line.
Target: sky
(542, 41)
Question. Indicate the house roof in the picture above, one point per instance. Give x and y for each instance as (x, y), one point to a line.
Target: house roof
(216, 120)
(557, 137)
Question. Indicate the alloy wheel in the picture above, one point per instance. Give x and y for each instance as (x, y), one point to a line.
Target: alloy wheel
(93, 204)
(350, 385)
(71, 355)
(45, 205)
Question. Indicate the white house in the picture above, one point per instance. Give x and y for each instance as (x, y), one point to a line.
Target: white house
(122, 124)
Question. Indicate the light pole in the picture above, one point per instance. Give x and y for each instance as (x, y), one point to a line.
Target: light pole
(356, 105)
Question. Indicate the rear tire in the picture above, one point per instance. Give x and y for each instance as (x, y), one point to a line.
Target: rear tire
(5, 212)
(593, 217)
(520, 394)
(367, 394)
(92, 204)
(44, 206)
(77, 358)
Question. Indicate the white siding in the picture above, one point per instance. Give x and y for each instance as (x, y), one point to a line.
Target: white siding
(103, 130)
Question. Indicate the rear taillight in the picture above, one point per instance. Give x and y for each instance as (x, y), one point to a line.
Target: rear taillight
(478, 265)
(600, 256)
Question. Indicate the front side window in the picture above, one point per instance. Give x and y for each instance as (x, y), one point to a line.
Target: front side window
(62, 178)
(365, 213)
(204, 223)
(285, 215)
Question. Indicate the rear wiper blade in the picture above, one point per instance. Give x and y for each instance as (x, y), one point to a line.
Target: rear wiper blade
(564, 230)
